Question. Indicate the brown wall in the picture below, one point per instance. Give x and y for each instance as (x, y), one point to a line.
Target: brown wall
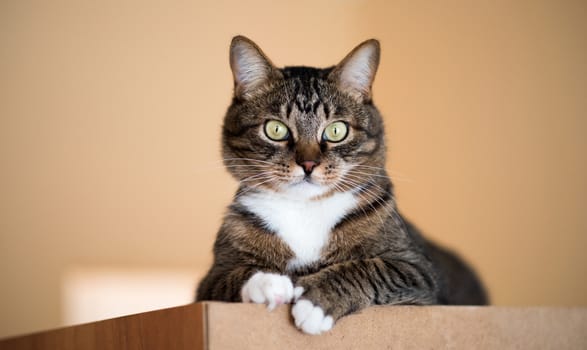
(110, 116)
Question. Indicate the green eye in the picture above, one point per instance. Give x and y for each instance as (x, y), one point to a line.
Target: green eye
(276, 131)
(335, 132)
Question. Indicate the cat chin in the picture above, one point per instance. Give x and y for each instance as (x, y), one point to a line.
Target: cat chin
(304, 190)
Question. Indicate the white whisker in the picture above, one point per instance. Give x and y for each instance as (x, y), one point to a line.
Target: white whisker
(366, 200)
(368, 174)
(376, 196)
(249, 188)
(257, 176)
(390, 174)
(395, 175)
(368, 166)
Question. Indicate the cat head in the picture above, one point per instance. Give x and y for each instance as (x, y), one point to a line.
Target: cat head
(301, 131)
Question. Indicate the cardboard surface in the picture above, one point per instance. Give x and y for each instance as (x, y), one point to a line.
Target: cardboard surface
(246, 326)
(402, 327)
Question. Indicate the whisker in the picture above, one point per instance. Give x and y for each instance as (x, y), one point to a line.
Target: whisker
(368, 166)
(378, 198)
(339, 187)
(368, 174)
(245, 171)
(249, 188)
(366, 200)
(359, 180)
(350, 171)
(257, 176)
(395, 175)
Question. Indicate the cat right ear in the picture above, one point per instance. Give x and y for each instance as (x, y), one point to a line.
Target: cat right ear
(355, 74)
(251, 69)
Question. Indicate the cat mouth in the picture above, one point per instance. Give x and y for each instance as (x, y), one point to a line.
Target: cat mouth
(307, 179)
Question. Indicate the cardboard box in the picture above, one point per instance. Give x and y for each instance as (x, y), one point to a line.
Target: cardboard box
(246, 326)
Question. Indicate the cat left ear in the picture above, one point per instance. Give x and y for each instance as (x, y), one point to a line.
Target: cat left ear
(356, 72)
(251, 69)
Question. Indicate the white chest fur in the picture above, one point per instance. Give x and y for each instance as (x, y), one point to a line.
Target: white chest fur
(303, 224)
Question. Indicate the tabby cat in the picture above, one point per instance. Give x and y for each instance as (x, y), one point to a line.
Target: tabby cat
(314, 221)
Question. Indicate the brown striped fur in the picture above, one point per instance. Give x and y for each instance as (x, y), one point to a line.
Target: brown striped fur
(373, 255)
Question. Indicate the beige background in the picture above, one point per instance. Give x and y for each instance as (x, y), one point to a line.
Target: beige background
(110, 114)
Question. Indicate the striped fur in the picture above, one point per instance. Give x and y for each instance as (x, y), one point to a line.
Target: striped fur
(363, 254)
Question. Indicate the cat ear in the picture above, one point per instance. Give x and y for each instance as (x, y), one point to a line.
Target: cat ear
(356, 72)
(251, 69)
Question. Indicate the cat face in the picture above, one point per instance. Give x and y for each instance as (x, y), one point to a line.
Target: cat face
(301, 131)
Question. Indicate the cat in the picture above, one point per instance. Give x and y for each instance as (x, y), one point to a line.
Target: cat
(314, 221)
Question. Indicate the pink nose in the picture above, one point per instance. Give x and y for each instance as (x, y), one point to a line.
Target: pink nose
(308, 166)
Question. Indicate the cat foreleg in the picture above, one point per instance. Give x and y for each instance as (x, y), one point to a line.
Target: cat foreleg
(344, 288)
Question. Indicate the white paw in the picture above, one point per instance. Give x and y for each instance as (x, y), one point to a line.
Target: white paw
(268, 288)
(311, 319)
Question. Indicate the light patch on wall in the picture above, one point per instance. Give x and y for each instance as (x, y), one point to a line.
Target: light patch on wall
(96, 293)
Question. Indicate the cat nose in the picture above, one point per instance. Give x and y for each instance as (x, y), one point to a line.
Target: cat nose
(308, 166)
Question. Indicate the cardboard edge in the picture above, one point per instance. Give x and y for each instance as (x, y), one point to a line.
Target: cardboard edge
(205, 326)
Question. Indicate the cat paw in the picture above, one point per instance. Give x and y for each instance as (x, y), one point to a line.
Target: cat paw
(268, 288)
(310, 318)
